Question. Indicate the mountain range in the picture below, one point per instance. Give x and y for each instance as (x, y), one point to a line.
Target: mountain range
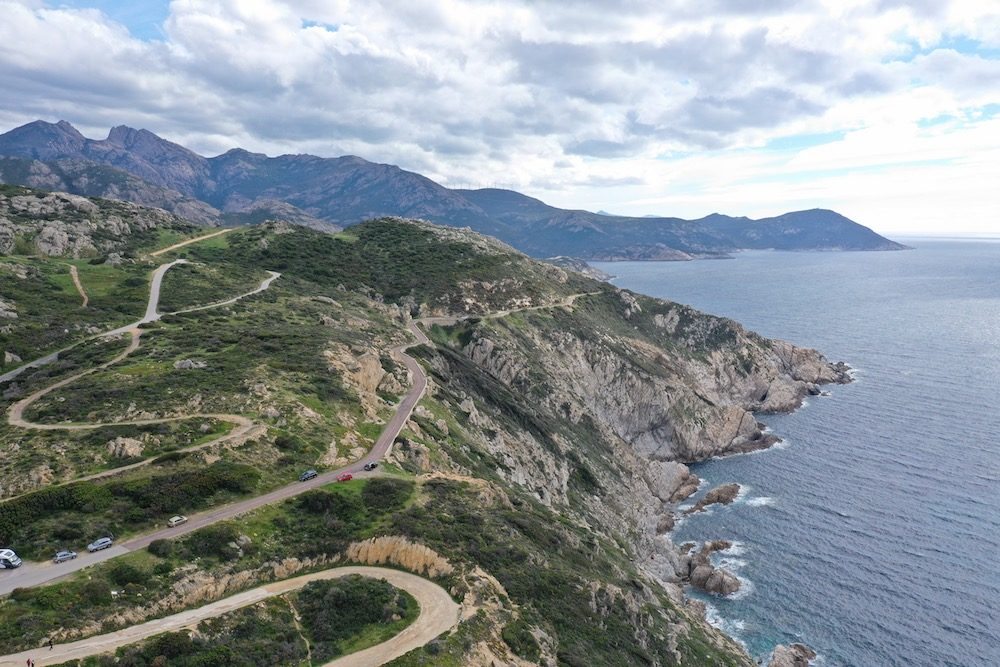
(240, 187)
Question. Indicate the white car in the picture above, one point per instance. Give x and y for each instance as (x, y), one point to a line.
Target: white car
(9, 560)
(175, 521)
(100, 543)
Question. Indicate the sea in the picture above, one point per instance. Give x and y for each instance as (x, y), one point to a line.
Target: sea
(871, 533)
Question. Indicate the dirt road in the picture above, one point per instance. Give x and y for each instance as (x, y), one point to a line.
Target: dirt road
(163, 251)
(75, 275)
(438, 614)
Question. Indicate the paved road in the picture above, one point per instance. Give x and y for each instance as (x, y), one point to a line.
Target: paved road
(438, 614)
(35, 574)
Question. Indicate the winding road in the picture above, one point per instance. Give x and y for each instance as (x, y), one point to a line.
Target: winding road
(38, 573)
(438, 614)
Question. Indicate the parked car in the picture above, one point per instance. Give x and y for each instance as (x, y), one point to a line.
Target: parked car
(175, 521)
(101, 543)
(9, 560)
(371, 465)
(345, 477)
(63, 556)
(307, 475)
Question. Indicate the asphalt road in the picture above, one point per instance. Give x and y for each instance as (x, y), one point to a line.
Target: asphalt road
(36, 574)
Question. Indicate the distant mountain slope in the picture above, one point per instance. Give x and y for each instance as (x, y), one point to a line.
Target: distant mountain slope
(249, 187)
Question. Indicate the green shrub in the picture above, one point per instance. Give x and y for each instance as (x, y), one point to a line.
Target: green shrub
(385, 494)
(161, 548)
(517, 635)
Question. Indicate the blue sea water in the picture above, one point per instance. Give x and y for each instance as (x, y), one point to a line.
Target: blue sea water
(872, 533)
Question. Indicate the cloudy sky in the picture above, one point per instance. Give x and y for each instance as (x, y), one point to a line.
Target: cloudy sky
(885, 110)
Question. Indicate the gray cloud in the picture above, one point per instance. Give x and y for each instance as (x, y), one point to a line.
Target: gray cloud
(452, 88)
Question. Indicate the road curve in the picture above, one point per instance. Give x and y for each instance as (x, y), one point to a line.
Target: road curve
(38, 573)
(438, 614)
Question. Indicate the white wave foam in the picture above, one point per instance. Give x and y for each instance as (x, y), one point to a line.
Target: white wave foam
(761, 501)
(737, 549)
(732, 627)
(746, 589)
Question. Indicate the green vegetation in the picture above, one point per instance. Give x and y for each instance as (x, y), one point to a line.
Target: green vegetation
(189, 285)
(321, 522)
(398, 260)
(337, 617)
(47, 304)
(42, 522)
(349, 614)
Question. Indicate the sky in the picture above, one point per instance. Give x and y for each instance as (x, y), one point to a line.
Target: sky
(887, 111)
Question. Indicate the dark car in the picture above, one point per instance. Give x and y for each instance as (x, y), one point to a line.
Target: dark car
(307, 475)
(371, 465)
(63, 556)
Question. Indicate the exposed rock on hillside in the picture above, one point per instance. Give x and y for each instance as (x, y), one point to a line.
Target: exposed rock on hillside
(58, 224)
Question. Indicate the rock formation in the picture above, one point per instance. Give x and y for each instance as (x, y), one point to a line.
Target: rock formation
(794, 655)
(724, 494)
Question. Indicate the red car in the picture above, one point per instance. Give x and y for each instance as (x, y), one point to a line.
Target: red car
(345, 477)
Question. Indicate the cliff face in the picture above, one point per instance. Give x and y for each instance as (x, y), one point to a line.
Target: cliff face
(596, 407)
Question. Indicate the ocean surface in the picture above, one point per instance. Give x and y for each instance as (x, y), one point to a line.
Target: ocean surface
(872, 533)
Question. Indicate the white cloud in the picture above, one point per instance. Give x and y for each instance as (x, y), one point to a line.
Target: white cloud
(572, 102)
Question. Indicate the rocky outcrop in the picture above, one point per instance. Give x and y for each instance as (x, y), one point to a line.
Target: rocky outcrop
(722, 495)
(125, 448)
(401, 552)
(58, 224)
(704, 575)
(187, 364)
(793, 655)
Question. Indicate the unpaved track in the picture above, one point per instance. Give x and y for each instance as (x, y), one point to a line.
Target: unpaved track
(243, 426)
(438, 614)
(75, 275)
(163, 251)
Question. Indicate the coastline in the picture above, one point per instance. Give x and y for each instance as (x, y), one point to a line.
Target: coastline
(723, 552)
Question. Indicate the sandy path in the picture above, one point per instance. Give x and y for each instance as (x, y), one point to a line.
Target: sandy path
(75, 275)
(175, 246)
(243, 426)
(438, 614)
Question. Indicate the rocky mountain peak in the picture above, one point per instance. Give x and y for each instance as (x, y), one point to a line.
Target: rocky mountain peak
(42, 140)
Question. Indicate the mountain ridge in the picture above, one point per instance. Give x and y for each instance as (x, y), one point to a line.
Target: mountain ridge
(344, 190)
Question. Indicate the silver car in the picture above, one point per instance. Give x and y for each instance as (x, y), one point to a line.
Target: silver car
(102, 543)
(63, 556)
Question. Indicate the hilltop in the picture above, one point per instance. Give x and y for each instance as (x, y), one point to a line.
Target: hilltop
(241, 187)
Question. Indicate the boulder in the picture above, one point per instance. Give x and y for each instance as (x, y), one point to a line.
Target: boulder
(185, 364)
(11, 358)
(794, 655)
(722, 495)
(125, 448)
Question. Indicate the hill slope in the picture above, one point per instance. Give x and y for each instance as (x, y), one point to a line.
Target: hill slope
(348, 189)
(543, 463)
